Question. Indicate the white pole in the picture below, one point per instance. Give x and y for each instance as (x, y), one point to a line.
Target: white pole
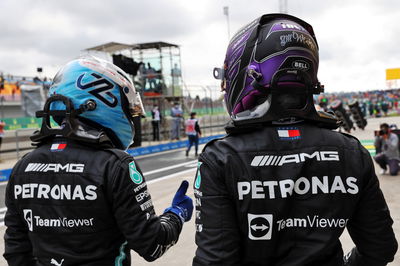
(226, 13)
(283, 6)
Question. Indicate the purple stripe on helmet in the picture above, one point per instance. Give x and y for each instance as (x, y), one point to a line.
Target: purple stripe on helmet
(272, 65)
(238, 43)
(247, 102)
(235, 57)
(235, 51)
(267, 68)
(241, 36)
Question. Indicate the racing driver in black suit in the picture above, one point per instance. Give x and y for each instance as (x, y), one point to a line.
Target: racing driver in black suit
(282, 186)
(79, 198)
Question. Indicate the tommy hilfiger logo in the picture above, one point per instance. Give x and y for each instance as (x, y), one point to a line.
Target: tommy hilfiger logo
(289, 133)
(58, 146)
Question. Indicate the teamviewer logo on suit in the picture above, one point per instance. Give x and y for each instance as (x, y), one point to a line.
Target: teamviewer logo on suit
(28, 218)
(260, 226)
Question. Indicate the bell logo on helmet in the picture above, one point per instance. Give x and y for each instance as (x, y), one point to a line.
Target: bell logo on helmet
(100, 85)
(300, 64)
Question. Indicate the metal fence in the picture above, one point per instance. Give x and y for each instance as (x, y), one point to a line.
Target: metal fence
(16, 143)
(209, 125)
(204, 100)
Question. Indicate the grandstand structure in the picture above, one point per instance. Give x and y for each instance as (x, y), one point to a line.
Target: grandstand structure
(155, 68)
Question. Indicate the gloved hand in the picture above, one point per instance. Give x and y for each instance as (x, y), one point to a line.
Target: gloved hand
(182, 205)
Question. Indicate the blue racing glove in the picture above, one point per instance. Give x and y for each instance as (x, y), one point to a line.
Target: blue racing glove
(182, 205)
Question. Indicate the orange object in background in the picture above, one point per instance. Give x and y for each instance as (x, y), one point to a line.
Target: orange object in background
(9, 88)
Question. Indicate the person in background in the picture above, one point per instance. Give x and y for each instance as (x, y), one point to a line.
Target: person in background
(155, 122)
(2, 125)
(151, 76)
(387, 149)
(177, 116)
(193, 132)
(2, 82)
(45, 86)
(385, 107)
(176, 75)
(377, 108)
(142, 75)
(37, 80)
(371, 108)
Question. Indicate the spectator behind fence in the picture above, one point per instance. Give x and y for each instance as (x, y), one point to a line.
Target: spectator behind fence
(387, 150)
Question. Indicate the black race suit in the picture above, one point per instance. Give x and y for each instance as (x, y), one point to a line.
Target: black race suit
(283, 196)
(80, 205)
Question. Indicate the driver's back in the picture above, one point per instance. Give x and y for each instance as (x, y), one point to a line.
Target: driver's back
(284, 195)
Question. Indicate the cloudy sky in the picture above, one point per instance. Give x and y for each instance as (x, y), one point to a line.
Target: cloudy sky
(358, 39)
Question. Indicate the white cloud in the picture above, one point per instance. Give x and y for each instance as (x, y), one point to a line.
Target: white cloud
(358, 39)
(354, 46)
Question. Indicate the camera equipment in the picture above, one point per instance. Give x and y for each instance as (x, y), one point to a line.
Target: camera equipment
(341, 113)
(357, 114)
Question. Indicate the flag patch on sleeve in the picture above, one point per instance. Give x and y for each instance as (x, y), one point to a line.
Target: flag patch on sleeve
(58, 146)
(289, 133)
